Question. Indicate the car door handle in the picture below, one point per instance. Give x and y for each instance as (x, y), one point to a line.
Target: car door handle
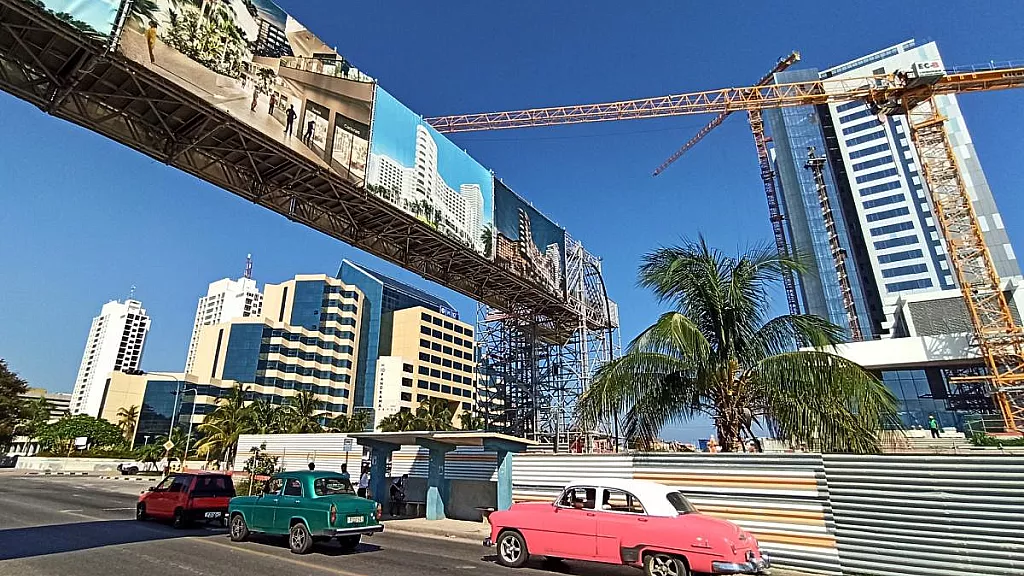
(642, 519)
(591, 514)
(296, 501)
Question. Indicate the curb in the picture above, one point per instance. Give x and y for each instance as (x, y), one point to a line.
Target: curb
(129, 478)
(49, 473)
(436, 535)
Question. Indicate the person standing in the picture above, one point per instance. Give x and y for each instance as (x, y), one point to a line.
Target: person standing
(398, 495)
(933, 425)
(151, 40)
(312, 466)
(344, 472)
(273, 102)
(255, 98)
(308, 138)
(364, 482)
(289, 120)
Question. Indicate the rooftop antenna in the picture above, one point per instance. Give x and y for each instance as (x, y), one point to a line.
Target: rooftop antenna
(131, 293)
(248, 266)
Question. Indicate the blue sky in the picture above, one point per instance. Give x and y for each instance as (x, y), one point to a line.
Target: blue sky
(84, 219)
(394, 134)
(99, 14)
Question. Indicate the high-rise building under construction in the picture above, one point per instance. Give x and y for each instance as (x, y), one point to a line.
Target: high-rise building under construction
(891, 244)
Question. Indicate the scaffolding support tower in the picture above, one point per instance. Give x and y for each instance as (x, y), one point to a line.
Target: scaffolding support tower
(532, 371)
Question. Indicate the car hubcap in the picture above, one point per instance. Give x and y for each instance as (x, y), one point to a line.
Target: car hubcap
(236, 526)
(510, 549)
(298, 538)
(663, 566)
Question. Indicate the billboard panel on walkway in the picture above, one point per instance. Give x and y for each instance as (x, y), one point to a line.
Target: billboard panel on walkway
(94, 17)
(527, 242)
(252, 60)
(415, 168)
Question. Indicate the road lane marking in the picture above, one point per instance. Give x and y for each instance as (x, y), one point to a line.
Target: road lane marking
(117, 509)
(69, 511)
(304, 564)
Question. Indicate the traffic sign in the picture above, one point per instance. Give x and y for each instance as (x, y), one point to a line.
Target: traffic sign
(168, 445)
(347, 445)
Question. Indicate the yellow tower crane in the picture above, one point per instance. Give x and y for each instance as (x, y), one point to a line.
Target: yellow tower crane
(911, 93)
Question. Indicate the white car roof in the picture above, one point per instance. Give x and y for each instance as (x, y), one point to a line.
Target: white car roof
(651, 494)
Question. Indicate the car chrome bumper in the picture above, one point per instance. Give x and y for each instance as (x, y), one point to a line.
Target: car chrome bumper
(487, 542)
(757, 566)
(359, 530)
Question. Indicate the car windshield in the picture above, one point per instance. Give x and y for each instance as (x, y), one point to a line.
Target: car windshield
(680, 503)
(332, 485)
(214, 486)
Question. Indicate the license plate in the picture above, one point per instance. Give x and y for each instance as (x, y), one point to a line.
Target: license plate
(355, 519)
(212, 515)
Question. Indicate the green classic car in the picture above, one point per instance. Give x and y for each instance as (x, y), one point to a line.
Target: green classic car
(309, 507)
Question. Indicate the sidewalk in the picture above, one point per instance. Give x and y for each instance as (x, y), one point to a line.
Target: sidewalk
(475, 532)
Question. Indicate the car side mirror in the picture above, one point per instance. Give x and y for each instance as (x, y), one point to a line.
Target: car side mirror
(150, 489)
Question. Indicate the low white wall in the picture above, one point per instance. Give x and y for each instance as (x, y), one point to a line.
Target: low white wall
(97, 465)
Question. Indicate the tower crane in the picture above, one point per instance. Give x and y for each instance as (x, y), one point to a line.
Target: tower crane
(912, 94)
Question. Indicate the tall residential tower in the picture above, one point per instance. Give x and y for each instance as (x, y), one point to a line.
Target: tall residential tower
(115, 344)
(225, 300)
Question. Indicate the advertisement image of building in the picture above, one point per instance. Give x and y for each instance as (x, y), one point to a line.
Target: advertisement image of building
(527, 242)
(417, 169)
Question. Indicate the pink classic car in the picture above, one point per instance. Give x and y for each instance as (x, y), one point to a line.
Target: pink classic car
(630, 522)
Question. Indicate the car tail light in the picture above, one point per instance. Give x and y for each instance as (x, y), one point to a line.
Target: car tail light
(334, 515)
(377, 513)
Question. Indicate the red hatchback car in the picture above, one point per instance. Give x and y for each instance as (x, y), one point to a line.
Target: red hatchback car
(187, 497)
(629, 522)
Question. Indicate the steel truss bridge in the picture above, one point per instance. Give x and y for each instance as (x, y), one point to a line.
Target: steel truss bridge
(84, 80)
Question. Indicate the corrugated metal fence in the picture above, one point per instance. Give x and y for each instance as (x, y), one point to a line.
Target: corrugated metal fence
(928, 515)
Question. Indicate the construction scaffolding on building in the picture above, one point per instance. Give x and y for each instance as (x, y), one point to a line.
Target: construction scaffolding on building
(531, 371)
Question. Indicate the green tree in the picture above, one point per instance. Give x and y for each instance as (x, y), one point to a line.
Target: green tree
(359, 421)
(266, 418)
(435, 414)
(142, 12)
(487, 239)
(222, 427)
(59, 437)
(720, 354)
(401, 421)
(302, 413)
(149, 454)
(35, 416)
(12, 408)
(469, 421)
(127, 418)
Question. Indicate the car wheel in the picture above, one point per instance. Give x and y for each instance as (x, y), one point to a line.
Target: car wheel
(239, 529)
(140, 512)
(512, 550)
(299, 539)
(132, 471)
(349, 543)
(664, 565)
(179, 521)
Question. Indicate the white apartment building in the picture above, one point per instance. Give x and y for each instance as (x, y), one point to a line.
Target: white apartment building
(903, 242)
(225, 300)
(115, 343)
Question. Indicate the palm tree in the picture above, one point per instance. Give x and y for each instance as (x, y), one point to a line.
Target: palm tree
(468, 421)
(303, 413)
(142, 12)
(266, 418)
(435, 414)
(357, 422)
(126, 420)
(719, 354)
(487, 239)
(222, 427)
(401, 421)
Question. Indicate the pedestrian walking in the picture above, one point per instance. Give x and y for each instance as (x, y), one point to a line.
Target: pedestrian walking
(364, 482)
(255, 98)
(344, 473)
(289, 120)
(308, 138)
(151, 40)
(933, 425)
(273, 102)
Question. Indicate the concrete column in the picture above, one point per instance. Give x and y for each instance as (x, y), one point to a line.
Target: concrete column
(379, 454)
(438, 487)
(504, 479)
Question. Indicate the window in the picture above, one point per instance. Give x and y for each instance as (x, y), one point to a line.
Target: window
(458, 341)
(469, 332)
(904, 270)
(407, 368)
(872, 123)
(407, 397)
(434, 386)
(447, 349)
(438, 322)
(883, 201)
(467, 406)
(886, 214)
(889, 229)
(422, 384)
(898, 256)
(854, 116)
(424, 357)
(446, 376)
(407, 382)
(877, 175)
(869, 151)
(425, 317)
(466, 394)
(435, 347)
(680, 503)
(435, 373)
(893, 242)
(457, 365)
(866, 138)
(424, 343)
(436, 333)
(292, 487)
(579, 497)
(424, 330)
(421, 397)
(446, 389)
(446, 363)
(849, 106)
(332, 485)
(435, 359)
(909, 285)
(210, 485)
(884, 187)
(180, 484)
(620, 501)
(458, 329)
(447, 338)
(424, 370)
(274, 485)
(165, 484)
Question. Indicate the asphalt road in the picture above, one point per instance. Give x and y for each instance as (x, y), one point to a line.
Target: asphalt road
(57, 526)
